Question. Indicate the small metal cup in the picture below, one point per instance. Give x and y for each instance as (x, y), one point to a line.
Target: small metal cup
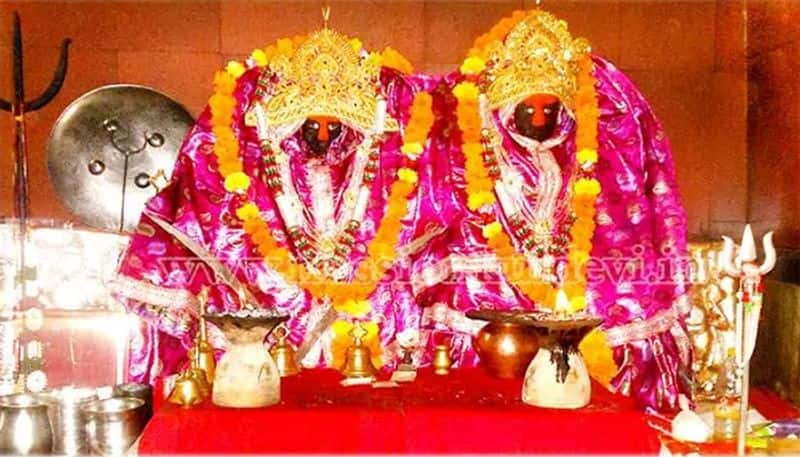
(113, 424)
(137, 390)
(69, 427)
(24, 426)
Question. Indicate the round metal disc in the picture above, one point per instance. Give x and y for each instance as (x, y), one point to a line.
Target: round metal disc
(95, 136)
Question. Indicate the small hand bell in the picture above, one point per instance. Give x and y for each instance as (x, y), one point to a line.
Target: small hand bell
(283, 354)
(204, 351)
(358, 362)
(441, 359)
(186, 391)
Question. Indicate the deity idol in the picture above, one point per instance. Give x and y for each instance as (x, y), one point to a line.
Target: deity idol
(569, 185)
(296, 191)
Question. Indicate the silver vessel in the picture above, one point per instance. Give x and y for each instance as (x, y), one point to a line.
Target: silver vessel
(69, 426)
(24, 426)
(113, 424)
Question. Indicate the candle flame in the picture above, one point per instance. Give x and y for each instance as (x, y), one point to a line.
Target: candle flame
(562, 303)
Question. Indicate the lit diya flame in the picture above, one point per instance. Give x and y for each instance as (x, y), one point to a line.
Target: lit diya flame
(562, 308)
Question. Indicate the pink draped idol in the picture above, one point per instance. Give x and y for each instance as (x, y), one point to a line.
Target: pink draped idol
(189, 237)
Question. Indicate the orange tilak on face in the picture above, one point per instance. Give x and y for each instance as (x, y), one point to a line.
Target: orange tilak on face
(539, 102)
(323, 122)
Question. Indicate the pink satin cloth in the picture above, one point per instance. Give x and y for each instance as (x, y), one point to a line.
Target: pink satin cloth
(638, 271)
(639, 217)
(158, 274)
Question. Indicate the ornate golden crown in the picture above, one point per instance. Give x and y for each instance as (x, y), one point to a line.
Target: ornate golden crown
(326, 76)
(537, 56)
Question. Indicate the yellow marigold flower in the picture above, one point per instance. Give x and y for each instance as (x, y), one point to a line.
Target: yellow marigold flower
(407, 175)
(229, 168)
(466, 91)
(577, 303)
(259, 57)
(491, 230)
(224, 83)
(270, 52)
(356, 44)
(237, 182)
(248, 211)
(473, 148)
(413, 148)
(480, 199)
(393, 59)
(235, 68)
(297, 40)
(355, 308)
(374, 59)
(422, 101)
(472, 65)
(285, 47)
(587, 155)
(586, 186)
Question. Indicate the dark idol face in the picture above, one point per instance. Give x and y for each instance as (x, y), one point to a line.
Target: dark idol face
(536, 116)
(319, 132)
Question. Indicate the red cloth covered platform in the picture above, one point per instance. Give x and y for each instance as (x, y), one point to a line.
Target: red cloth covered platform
(464, 412)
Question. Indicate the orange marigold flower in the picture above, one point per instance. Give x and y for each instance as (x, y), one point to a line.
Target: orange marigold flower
(224, 83)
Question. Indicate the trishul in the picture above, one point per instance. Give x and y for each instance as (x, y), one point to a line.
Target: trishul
(748, 310)
(744, 265)
(18, 107)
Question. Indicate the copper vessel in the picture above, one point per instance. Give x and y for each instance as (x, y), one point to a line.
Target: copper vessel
(505, 348)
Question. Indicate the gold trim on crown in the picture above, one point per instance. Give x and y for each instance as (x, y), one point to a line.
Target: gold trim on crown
(326, 76)
(538, 56)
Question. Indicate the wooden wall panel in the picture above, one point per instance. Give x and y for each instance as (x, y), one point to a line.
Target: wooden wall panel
(685, 56)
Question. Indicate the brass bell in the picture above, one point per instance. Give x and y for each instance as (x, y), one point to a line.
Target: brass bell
(358, 361)
(283, 354)
(187, 391)
(204, 355)
(441, 359)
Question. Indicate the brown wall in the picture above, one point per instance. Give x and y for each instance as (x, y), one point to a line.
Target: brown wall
(687, 57)
(774, 118)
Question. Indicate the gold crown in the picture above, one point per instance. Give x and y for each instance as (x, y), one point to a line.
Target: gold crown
(538, 56)
(326, 76)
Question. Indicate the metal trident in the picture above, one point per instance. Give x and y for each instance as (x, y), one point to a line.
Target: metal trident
(18, 107)
(748, 310)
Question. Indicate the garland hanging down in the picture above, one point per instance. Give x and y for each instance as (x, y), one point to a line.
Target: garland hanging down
(349, 298)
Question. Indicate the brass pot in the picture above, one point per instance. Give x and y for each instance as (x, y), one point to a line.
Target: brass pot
(505, 348)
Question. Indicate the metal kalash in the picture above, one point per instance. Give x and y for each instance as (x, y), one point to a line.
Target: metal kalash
(18, 107)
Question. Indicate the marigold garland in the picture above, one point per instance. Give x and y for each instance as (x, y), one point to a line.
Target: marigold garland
(585, 189)
(348, 298)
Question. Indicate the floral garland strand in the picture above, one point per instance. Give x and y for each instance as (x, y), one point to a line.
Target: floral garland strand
(481, 173)
(347, 298)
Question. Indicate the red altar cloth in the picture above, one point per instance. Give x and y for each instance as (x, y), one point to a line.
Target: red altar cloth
(464, 412)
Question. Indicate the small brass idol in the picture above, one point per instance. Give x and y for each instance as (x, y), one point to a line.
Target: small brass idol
(358, 361)
(441, 359)
(284, 355)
